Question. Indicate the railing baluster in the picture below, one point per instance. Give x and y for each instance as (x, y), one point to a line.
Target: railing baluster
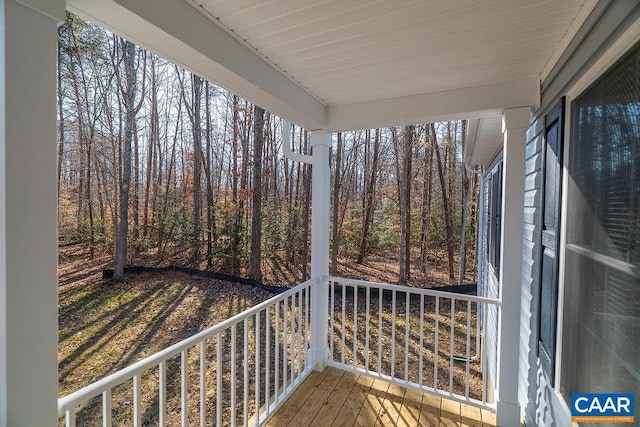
(300, 344)
(379, 331)
(183, 388)
(344, 298)
(421, 351)
(285, 342)
(367, 326)
(483, 362)
(70, 417)
(245, 378)
(276, 353)
(257, 371)
(203, 383)
(162, 394)
(233, 375)
(307, 321)
(267, 363)
(354, 359)
(219, 379)
(406, 335)
(106, 408)
(332, 318)
(451, 339)
(466, 387)
(478, 329)
(292, 316)
(393, 332)
(436, 352)
(137, 413)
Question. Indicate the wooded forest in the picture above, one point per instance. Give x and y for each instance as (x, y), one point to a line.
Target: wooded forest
(154, 160)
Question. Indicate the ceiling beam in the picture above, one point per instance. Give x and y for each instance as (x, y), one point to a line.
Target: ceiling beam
(456, 104)
(178, 32)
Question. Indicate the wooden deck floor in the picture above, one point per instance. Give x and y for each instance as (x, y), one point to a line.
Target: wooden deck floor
(338, 398)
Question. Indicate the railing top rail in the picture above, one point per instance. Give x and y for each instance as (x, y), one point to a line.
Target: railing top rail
(418, 291)
(92, 390)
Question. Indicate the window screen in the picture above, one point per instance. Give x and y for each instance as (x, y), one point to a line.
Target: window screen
(601, 334)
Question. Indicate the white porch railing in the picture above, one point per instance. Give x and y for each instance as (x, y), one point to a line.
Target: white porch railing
(234, 373)
(238, 371)
(418, 338)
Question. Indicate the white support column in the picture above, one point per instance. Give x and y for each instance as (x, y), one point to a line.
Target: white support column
(514, 127)
(320, 189)
(28, 200)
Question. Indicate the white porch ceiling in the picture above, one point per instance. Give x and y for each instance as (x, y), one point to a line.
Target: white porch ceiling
(352, 51)
(351, 64)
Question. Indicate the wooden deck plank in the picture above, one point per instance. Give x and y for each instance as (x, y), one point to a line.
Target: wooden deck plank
(410, 410)
(353, 404)
(344, 399)
(391, 406)
(318, 398)
(471, 416)
(293, 404)
(373, 404)
(430, 411)
(488, 418)
(450, 413)
(335, 401)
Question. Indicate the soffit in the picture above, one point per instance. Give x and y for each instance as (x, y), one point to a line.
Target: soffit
(355, 51)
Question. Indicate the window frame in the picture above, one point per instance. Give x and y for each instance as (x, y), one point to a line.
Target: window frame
(623, 45)
(494, 215)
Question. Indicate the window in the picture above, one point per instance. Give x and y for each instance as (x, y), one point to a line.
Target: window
(601, 322)
(494, 216)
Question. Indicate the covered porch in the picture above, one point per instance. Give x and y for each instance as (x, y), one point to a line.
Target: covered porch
(401, 354)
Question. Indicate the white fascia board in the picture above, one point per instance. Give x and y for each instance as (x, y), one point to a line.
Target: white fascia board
(51, 9)
(473, 126)
(487, 141)
(579, 20)
(456, 104)
(178, 32)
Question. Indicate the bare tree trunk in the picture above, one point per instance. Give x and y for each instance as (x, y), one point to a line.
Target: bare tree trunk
(165, 199)
(237, 217)
(244, 178)
(92, 235)
(61, 134)
(445, 203)
(196, 84)
(463, 228)
(336, 203)
(405, 207)
(369, 192)
(123, 225)
(154, 136)
(255, 271)
(426, 205)
(136, 193)
(207, 172)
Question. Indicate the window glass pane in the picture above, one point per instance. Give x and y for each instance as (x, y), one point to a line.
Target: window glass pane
(601, 344)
